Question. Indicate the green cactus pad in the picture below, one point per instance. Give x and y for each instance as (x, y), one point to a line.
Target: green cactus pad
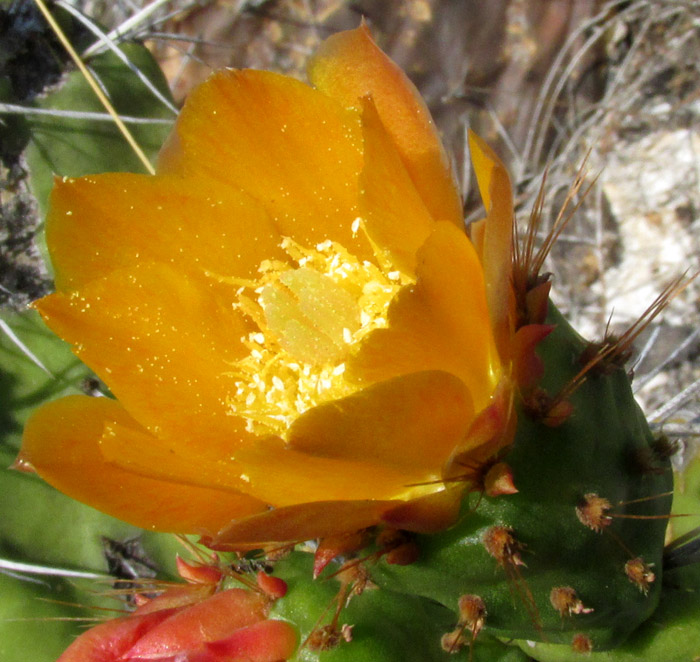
(671, 634)
(386, 626)
(603, 448)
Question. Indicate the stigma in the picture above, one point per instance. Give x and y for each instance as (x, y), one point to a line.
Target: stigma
(312, 313)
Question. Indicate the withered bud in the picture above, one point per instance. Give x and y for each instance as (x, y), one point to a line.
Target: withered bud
(502, 545)
(499, 480)
(565, 600)
(592, 511)
(581, 643)
(472, 613)
(640, 574)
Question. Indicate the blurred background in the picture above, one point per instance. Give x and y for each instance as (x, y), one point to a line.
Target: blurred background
(546, 82)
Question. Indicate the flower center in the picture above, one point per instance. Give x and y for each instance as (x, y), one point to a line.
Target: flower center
(311, 317)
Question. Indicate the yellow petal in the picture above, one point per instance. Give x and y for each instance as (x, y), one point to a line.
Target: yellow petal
(411, 422)
(396, 218)
(496, 239)
(304, 522)
(101, 223)
(162, 342)
(61, 443)
(349, 66)
(179, 460)
(441, 323)
(282, 476)
(298, 152)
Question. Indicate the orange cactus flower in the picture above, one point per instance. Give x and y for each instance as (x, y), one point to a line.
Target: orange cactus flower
(301, 338)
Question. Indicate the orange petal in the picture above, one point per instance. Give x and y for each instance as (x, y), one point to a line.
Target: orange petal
(497, 239)
(414, 421)
(61, 442)
(108, 641)
(162, 342)
(428, 514)
(283, 476)
(101, 223)
(304, 522)
(292, 148)
(216, 618)
(441, 323)
(529, 367)
(349, 66)
(267, 641)
(396, 218)
(339, 545)
(198, 574)
(272, 587)
(492, 429)
(180, 595)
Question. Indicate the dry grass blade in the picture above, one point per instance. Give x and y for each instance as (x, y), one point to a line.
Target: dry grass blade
(119, 53)
(126, 27)
(95, 86)
(13, 109)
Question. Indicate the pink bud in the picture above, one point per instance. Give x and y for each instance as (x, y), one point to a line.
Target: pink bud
(198, 574)
(272, 586)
